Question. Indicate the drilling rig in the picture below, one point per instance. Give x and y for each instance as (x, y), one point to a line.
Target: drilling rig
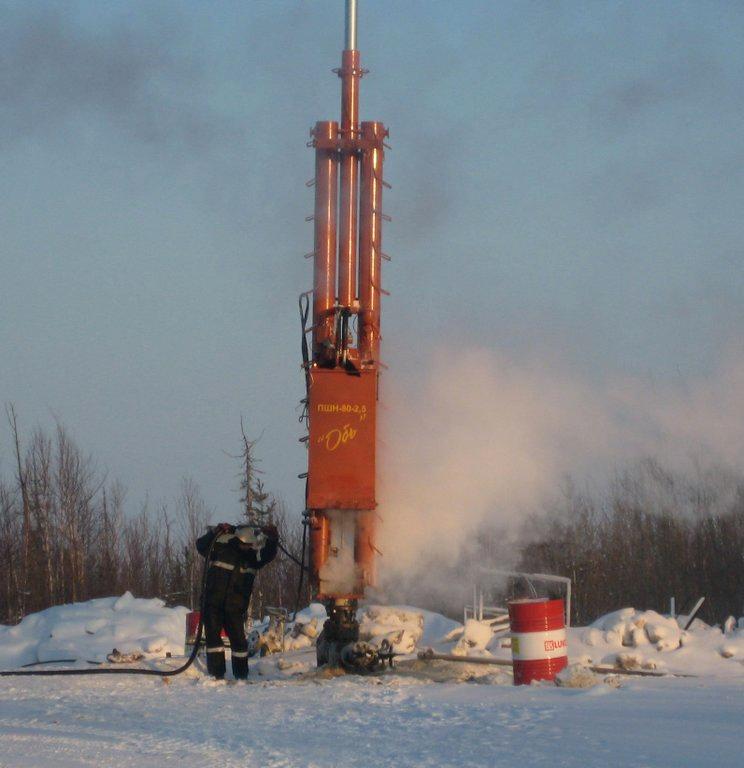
(341, 362)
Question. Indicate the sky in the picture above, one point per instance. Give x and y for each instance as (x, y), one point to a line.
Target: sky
(568, 181)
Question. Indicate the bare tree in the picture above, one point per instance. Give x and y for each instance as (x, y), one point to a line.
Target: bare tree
(108, 552)
(77, 485)
(655, 535)
(193, 517)
(26, 528)
(43, 514)
(277, 584)
(11, 554)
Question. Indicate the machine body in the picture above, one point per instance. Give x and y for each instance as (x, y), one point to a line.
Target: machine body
(342, 369)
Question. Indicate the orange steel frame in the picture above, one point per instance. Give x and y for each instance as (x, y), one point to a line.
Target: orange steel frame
(343, 370)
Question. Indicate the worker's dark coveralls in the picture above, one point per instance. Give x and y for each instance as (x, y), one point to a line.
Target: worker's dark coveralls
(232, 570)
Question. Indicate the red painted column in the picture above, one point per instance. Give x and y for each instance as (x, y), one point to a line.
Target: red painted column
(350, 74)
(370, 242)
(326, 206)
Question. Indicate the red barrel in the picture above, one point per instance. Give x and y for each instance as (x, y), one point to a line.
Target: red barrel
(192, 624)
(538, 633)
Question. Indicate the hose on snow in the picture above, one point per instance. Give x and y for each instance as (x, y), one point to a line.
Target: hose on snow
(132, 670)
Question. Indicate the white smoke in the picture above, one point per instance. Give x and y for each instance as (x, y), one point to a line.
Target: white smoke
(487, 439)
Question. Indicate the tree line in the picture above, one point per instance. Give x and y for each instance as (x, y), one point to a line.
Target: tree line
(653, 535)
(638, 538)
(66, 534)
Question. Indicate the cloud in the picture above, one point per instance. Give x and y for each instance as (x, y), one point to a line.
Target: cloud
(54, 70)
(677, 82)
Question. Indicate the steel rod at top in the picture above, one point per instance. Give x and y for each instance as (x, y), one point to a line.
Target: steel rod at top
(351, 25)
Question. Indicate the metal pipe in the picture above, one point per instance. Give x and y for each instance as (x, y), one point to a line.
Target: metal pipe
(537, 577)
(430, 655)
(326, 204)
(350, 29)
(694, 613)
(370, 242)
(364, 548)
(350, 73)
(320, 542)
(603, 670)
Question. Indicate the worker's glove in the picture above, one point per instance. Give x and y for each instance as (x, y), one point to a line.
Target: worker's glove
(225, 528)
(271, 531)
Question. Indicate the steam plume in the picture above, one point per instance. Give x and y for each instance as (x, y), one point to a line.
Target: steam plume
(488, 439)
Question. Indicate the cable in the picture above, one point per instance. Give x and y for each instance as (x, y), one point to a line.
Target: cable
(302, 572)
(304, 303)
(58, 661)
(304, 314)
(132, 670)
(197, 640)
(301, 563)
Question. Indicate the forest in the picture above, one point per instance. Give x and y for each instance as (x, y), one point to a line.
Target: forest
(68, 533)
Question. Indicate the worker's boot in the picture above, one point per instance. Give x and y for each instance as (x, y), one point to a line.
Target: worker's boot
(216, 663)
(240, 665)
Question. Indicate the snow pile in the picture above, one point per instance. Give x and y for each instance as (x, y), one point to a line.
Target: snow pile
(633, 639)
(307, 626)
(90, 631)
(579, 676)
(405, 626)
(635, 629)
(627, 639)
(437, 627)
(475, 637)
(402, 628)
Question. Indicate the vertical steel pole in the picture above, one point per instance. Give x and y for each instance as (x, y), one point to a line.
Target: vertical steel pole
(326, 205)
(350, 29)
(350, 74)
(370, 243)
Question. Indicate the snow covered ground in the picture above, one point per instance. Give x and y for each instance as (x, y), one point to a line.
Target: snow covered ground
(393, 721)
(419, 714)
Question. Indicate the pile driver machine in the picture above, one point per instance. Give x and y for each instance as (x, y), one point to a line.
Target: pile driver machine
(342, 360)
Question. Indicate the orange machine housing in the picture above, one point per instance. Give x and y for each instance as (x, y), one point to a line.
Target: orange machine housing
(342, 370)
(341, 466)
(341, 473)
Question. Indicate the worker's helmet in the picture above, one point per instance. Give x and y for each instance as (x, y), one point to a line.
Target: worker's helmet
(250, 536)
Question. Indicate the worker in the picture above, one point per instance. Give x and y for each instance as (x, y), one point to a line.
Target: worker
(239, 552)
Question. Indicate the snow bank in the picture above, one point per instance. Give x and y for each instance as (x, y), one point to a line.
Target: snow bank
(635, 639)
(626, 638)
(475, 637)
(405, 627)
(91, 630)
(307, 626)
(634, 629)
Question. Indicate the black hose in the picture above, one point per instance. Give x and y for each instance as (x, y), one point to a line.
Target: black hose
(57, 661)
(301, 563)
(298, 600)
(304, 314)
(132, 670)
